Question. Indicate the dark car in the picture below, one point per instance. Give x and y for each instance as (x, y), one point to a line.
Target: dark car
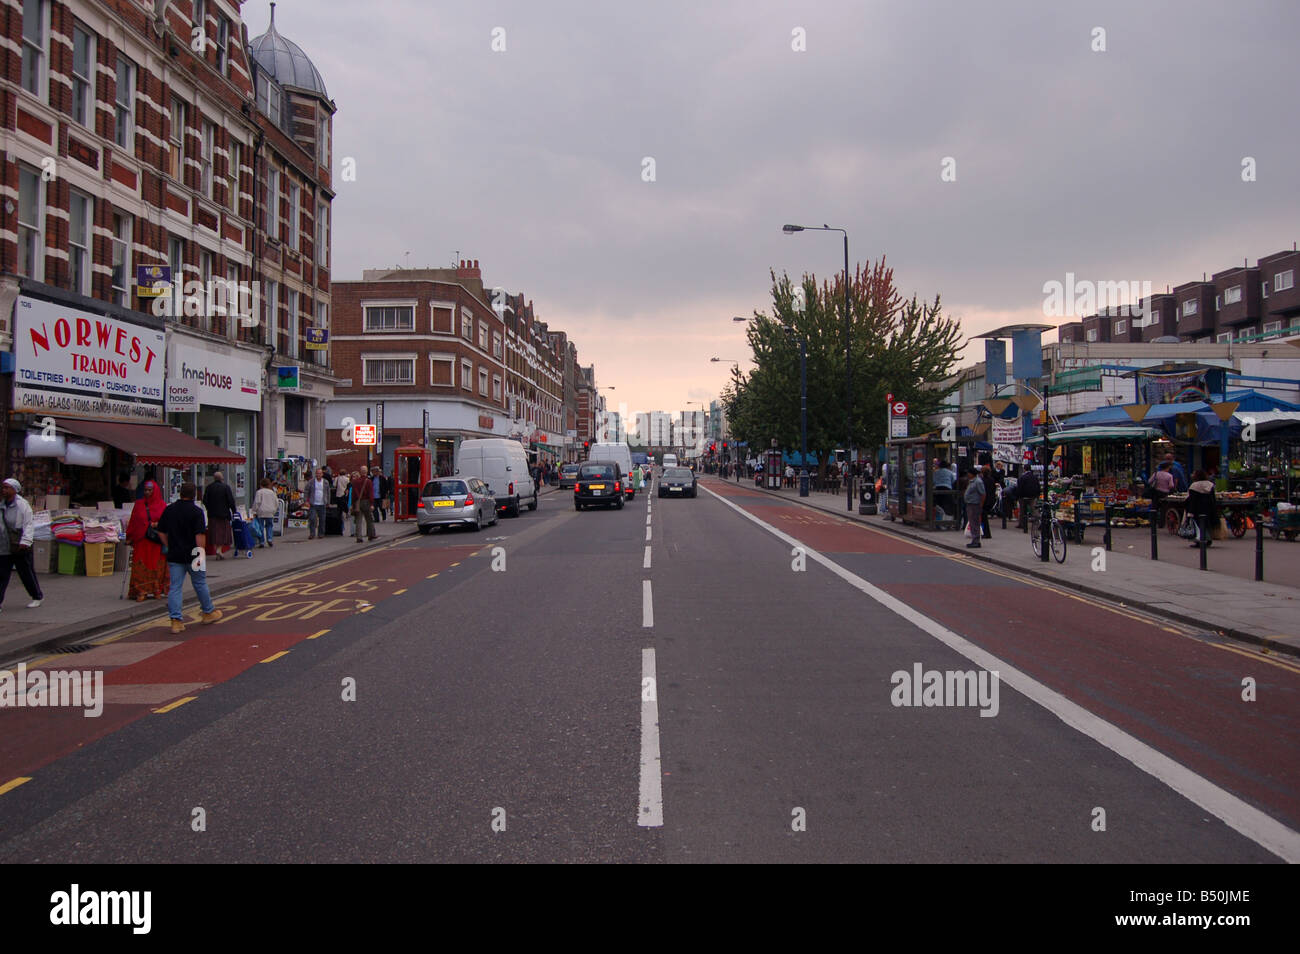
(599, 483)
(676, 482)
(568, 476)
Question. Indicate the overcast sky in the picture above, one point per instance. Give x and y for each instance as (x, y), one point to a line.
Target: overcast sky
(1117, 165)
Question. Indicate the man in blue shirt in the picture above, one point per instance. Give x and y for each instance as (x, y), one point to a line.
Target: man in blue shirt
(1180, 475)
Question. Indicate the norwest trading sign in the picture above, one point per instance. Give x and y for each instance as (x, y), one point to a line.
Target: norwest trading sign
(63, 355)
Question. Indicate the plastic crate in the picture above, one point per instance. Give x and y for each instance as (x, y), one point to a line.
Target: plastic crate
(100, 558)
(72, 559)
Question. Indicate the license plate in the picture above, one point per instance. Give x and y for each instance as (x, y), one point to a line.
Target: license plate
(676, 490)
(444, 503)
(596, 487)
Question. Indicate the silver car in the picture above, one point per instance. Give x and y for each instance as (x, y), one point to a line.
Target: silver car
(456, 500)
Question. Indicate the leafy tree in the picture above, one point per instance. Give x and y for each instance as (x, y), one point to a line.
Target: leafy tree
(896, 345)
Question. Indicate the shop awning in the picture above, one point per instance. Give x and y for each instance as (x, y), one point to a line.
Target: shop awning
(152, 443)
(1098, 434)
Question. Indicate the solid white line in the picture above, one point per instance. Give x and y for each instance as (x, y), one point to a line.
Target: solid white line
(645, 565)
(647, 605)
(1259, 827)
(651, 811)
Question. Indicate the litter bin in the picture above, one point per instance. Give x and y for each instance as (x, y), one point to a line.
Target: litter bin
(867, 498)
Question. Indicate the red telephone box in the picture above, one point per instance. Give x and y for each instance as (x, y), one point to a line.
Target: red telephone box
(412, 469)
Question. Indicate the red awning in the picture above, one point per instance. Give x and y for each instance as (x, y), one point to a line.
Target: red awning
(152, 443)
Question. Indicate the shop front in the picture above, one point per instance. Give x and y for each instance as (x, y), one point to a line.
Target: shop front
(214, 394)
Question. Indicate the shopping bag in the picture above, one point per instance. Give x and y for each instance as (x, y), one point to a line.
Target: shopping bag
(1188, 529)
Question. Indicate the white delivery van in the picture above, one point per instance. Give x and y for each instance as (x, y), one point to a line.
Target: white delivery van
(619, 454)
(670, 460)
(503, 466)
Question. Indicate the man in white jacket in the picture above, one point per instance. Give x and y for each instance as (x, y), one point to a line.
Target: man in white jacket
(16, 543)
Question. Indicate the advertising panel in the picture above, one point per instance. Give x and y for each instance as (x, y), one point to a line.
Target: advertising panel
(227, 379)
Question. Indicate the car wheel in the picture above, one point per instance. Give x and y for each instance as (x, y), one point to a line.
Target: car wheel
(513, 509)
(533, 504)
(576, 505)
(425, 529)
(478, 520)
(619, 504)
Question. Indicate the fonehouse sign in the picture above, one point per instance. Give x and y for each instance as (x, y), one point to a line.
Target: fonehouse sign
(73, 362)
(221, 380)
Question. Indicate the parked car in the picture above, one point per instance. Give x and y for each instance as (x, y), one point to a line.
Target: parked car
(677, 482)
(503, 466)
(619, 454)
(599, 483)
(448, 501)
(568, 476)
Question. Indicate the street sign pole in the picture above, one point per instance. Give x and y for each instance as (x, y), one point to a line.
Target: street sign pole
(367, 448)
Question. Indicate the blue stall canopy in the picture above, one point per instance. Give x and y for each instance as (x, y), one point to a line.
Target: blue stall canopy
(1247, 401)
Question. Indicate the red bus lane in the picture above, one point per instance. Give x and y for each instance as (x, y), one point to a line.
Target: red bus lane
(147, 669)
(1182, 696)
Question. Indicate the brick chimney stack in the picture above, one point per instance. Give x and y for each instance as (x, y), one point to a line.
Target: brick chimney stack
(469, 269)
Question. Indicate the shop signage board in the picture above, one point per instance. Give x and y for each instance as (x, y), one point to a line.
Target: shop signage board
(182, 398)
(226, 379)
(363, 435)
(153, 281)
(287, 378)
(317, 339)
(82, 364)
(1007, 432)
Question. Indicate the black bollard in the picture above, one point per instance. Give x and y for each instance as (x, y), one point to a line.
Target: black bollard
(1107, 528)
(1259, 550)
(1155, 531)
(1204, 539)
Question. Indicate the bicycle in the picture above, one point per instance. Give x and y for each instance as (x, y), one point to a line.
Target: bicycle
(1055, 530)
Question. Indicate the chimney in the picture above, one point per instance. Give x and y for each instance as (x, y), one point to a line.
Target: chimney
(469, 269)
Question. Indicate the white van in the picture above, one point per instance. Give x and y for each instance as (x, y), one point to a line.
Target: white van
(503, 466)
(670, 460)
(619, 454)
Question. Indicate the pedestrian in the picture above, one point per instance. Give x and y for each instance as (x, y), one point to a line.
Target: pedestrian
(122, 494)
(1180, 475)
(183, 534)
(1162, 484)
(974, 500)
(342, 499)
(1028, 491)
(390, 508)
(991, 488)
(265, 506)
(16, 543)
(377, 489)
(219, 501)
(149, 575)
(317, 494)
(148, 475)
(1203, 505)
(362, 505)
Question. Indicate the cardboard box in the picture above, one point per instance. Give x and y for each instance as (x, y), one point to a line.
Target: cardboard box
(43, 555)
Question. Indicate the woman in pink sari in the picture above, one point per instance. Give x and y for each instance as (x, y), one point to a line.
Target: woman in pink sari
(149, 574)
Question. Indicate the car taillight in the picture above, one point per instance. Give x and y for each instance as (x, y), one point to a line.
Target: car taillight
(617, 485)
(512, 488)
(577, 487)
(469, 501)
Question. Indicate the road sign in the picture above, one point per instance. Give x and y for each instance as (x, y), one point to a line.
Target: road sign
(898, 426)
(898, 409)
(363, 435)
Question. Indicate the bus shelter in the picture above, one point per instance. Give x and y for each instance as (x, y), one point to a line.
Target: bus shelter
(915, 492)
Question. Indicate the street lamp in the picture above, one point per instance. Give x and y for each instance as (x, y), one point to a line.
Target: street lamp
(803, 409)
(848, 378)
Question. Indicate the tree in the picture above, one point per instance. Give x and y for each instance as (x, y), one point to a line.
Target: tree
(896, 345)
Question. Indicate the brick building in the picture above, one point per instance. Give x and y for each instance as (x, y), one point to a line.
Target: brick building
(136, 139)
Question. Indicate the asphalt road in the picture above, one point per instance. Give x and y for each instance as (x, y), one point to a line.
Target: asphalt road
(668, 682)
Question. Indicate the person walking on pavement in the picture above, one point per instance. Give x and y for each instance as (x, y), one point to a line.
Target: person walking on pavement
(265, 506)
(183, 534)
(1162, 484)
(1028, 491)
(317, 494)
(1203, 505)
(991, 486)
(149, 575)
(16, 543)
(974, 500)
(219, 501)
(362, 505)
(342, 498)
(1180, 475)
(377, 489)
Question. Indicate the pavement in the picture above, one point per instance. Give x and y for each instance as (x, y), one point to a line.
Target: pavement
(1224, 599)
(76, 607)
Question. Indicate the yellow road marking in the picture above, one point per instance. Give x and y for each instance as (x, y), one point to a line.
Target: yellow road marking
(1258, 657)
(455, 564)
(318, 635)
(13, 783)
(175, 705)
(431, 576)
(283, 652)
(399, 592)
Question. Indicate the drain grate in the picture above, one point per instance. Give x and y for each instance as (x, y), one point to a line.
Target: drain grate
(81, 648)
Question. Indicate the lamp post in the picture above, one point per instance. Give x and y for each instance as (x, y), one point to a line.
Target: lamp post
(736, 365)
(848, 371)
